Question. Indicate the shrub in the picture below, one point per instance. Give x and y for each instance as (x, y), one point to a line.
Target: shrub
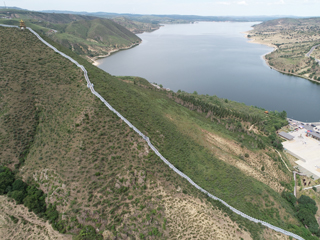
(88, 233)
(290, 198)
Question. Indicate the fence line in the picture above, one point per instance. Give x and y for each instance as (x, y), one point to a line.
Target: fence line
(90, 85)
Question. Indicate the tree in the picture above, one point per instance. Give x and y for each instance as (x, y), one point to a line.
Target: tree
(19, 185)
(308, 219)
(306, 202)
(35, 200)
(17, 195)
(6, 179)
(52, 214)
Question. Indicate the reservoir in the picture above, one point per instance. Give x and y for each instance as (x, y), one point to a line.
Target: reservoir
(216, 58)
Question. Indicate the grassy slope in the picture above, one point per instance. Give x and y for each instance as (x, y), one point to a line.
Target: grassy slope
(293, 39)
(95, 37)
(89, 36)
(91, 164)
(46, 17)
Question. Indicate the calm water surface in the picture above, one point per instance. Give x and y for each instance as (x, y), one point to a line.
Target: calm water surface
(216, 59)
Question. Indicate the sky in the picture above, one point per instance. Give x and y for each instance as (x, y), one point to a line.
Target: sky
(182, 7)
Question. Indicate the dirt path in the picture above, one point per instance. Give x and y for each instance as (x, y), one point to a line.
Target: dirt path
(283, 160)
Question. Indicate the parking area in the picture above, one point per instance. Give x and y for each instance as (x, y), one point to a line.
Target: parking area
(306, 149)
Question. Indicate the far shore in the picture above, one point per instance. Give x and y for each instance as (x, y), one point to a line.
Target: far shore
(253, 40)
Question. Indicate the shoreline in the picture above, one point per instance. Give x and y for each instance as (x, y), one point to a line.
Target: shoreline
(94, 59)
(253, 40)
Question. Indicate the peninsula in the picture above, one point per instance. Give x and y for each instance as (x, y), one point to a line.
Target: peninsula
(292, 40)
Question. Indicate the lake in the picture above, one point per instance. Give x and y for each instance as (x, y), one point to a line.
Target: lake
(216, 58)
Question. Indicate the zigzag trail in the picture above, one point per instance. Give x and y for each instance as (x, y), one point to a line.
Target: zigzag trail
(90, 85)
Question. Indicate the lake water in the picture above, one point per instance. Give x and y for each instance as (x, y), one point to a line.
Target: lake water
(215, 58)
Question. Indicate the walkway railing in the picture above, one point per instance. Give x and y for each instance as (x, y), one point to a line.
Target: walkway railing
(90, 85)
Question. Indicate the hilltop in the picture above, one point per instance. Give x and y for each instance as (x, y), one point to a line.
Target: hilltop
(59, 137)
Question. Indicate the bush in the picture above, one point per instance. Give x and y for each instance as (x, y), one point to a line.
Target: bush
(88, 233)
(290, 198)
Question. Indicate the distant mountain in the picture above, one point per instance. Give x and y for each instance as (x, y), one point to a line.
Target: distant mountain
(2, 7)
(174, 18)
(40, 16)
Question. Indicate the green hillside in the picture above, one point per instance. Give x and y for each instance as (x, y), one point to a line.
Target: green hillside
(57, 18)
(86, 36)
(58, 136)
(95, 37)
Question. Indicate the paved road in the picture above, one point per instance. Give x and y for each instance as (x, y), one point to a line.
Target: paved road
(310, 52)
(305, 123)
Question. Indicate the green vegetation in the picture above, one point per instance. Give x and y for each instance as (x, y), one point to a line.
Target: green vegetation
(306, 209)
(94, 167)
(236, 113)
(293, 39)
(87, 36)
(29, 195)
(135, 26)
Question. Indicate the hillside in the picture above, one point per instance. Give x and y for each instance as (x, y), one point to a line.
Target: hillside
(292, 39)
(85, 35)
(93, 38)
(45, 17)
(57, 135)
(64, 18)
(96, 37)
(135, 26)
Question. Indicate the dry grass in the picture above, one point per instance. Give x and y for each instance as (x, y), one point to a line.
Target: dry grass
(16, 222)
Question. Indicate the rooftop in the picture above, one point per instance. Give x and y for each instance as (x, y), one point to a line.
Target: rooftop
(286, 135)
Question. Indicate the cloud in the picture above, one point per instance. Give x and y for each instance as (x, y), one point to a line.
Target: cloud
(242, 3)
(223, 3)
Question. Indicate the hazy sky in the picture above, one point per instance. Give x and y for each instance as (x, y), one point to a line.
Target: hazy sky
(187, 7)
